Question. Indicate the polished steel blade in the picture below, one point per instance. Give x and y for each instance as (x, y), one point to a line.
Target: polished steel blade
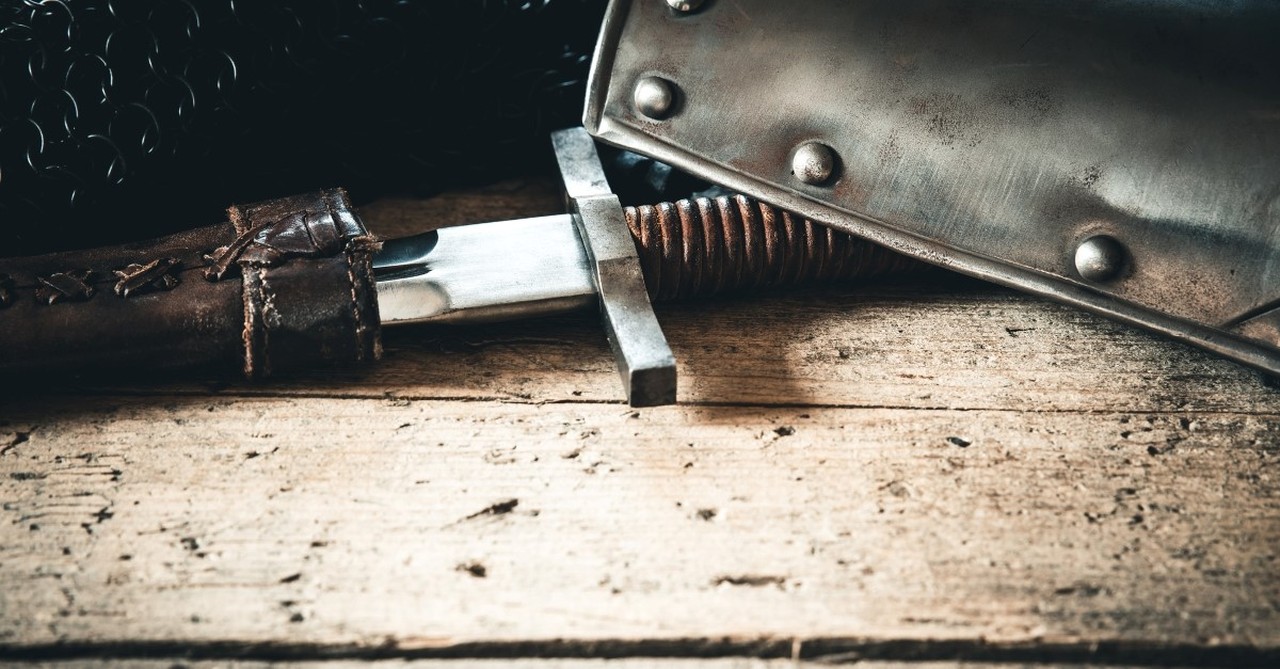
(485, 272)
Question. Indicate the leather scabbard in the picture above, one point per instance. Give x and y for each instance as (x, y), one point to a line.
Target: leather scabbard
(284, 284)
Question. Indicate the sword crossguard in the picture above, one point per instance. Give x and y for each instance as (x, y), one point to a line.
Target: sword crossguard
(644, 358)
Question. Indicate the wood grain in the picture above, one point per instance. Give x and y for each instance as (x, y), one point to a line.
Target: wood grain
(907, 345)
(927, 471)
(364, 522)
(508, 663)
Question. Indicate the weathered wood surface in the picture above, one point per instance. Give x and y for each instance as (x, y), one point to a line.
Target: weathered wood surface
(646, 663)
(928, 470)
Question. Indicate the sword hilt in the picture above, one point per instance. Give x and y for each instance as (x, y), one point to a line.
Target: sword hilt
(619, 259)
(683, 249)
(700, 247)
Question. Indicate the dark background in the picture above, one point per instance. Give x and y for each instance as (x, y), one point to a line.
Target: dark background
(124, 119)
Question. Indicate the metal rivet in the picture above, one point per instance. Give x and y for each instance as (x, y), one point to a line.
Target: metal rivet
(1100, 258)
(813, 163)
(655, 97)
(685, 6)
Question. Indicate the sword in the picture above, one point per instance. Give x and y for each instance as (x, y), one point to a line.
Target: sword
(314, 287)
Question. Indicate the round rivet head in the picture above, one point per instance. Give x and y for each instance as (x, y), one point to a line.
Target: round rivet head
(1100, 258)
(813, 163)
(685, 6)
(655, 97)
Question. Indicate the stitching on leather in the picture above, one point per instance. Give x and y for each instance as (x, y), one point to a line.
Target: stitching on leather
(137, 278)
(237, 219)
(365, 269)
(223, 258)
(287, 232)
(266, 308)
(358, 326)
(6, 290)
(100, 276)
(256, 256)
(250, 319)
(71, 285)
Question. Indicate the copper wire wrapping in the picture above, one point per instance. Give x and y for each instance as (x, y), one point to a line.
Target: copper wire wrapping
(706, 246)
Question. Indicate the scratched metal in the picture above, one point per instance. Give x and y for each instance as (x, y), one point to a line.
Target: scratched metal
(640, 348)
(993, 136)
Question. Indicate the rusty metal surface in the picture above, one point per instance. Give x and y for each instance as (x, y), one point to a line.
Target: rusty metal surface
(992, 137)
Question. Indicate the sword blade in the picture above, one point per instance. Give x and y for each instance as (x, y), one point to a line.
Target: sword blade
(485, 272)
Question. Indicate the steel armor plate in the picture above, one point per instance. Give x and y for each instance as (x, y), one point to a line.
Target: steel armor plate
(1122, 156)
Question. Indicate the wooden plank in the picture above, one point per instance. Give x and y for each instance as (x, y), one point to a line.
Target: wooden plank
(509, 663)
(439, 524)
(920, 344)
(929, 470)
(939, 341)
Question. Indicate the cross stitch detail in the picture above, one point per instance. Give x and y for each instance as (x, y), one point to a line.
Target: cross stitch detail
(71, 286)
(155, 275)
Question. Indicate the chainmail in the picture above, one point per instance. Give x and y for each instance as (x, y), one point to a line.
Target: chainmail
(122, 119)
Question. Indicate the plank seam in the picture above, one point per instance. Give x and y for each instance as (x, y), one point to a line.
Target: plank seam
(832, 650)
(500, 399)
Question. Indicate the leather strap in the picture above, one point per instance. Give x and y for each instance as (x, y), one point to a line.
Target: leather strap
(285, 284)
